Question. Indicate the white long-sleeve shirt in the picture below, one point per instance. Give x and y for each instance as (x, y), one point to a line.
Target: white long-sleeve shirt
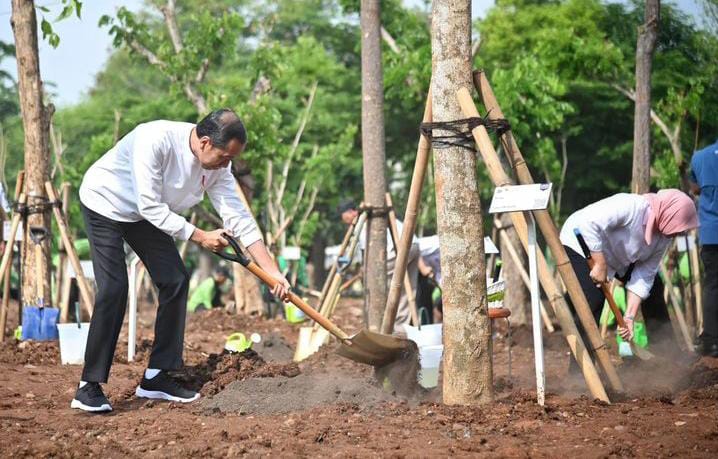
(616, 227)
(151, 174)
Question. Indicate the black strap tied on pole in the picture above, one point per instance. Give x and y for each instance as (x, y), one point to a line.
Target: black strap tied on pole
(374, 211)
(460, 131)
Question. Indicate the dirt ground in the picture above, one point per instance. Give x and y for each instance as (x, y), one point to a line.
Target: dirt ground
(259, 403)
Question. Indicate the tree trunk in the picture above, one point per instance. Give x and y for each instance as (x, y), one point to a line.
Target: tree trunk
(516, 296)
(36, 123)
(647, 35)
(372, 133)
(467, 371)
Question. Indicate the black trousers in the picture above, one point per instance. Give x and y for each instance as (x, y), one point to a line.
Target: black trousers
(655, 311)
(159, 254)
(709, 255)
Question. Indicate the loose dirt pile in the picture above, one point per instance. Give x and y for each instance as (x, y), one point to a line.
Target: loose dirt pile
(219, 370)
(30, 352)
(284, 395)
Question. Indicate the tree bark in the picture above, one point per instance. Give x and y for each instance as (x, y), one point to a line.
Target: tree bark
(516, 296)
(467, 367)
(36, 123)
(372, 133)
(647, 36)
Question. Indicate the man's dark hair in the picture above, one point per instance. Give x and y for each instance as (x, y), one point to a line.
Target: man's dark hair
(221, 126)
(346, 204)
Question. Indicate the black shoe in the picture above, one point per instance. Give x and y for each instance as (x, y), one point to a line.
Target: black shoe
(163, 387)
(708, 349)
(90, 398)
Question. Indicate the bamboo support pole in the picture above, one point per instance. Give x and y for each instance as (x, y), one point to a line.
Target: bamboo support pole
(423, 152)
(677, 307)
(5, 271)
(513, 253)
(561, 310)
(60, 273)
(335, 264)
(697, 284)
(85, 289)
(549, 230)
(394, 232)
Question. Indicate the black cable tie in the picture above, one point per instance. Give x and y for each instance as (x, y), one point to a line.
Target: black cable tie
(375, 211)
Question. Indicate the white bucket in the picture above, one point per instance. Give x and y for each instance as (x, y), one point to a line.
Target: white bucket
(72, 342)
(427, 335)
(430, 360)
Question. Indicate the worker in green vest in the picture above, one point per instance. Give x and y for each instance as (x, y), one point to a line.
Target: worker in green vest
(208, 293)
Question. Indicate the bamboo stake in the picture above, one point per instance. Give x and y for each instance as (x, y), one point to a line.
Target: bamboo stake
(10, 246)
(524, 276)
(423, 151)
(696, 278)
(59, 275)
(561, 310)
(549, 230)
(677, 307)
(394, 232)
(335, 264)
(85, 290)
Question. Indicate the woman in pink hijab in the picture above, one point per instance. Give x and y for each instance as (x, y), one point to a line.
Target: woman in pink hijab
(628, 235)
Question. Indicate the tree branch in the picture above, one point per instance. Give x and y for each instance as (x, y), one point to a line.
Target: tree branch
(170, 14)
(295, 144)
(202, 72)
(389, 40)
(149, 55)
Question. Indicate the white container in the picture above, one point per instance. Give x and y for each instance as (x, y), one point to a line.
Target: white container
(72, 342)
(427, 335)
(430, 360)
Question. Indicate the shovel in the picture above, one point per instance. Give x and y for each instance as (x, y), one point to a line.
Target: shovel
(364, 347)
(39, 322)
(638, 351)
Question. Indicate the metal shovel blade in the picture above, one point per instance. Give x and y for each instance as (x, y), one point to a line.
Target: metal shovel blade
(376, 349)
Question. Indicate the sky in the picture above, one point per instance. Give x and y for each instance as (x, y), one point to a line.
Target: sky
(84, 47)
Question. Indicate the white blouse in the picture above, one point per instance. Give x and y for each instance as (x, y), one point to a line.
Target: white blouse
(616, 226)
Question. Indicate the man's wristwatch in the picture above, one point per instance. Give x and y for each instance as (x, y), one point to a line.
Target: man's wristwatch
(628, 318)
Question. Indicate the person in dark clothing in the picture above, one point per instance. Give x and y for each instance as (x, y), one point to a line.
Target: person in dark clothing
(704, 174)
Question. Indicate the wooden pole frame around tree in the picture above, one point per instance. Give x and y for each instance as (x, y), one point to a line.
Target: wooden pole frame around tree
(62, 256)
(5, 272)
(85, 289)
(394, 231)
(677, 307)
(561, 310)
(413, 204)
(550, 233)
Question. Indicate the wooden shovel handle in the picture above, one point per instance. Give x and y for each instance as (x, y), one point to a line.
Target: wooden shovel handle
(298, 302)
(609, 298)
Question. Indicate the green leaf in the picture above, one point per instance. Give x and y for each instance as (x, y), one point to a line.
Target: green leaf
(46, 28)
(105, 19)
(66, 12)
(44, 9)
(54, 40)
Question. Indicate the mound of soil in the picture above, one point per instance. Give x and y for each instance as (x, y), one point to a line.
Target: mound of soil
(703, 374)
(273, 348)
(30, 352)
(284, 395)
(219, 370)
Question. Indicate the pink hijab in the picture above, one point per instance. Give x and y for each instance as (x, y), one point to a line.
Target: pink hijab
(671, 212)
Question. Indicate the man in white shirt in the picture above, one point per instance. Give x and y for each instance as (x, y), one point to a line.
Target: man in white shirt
(134, 193)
